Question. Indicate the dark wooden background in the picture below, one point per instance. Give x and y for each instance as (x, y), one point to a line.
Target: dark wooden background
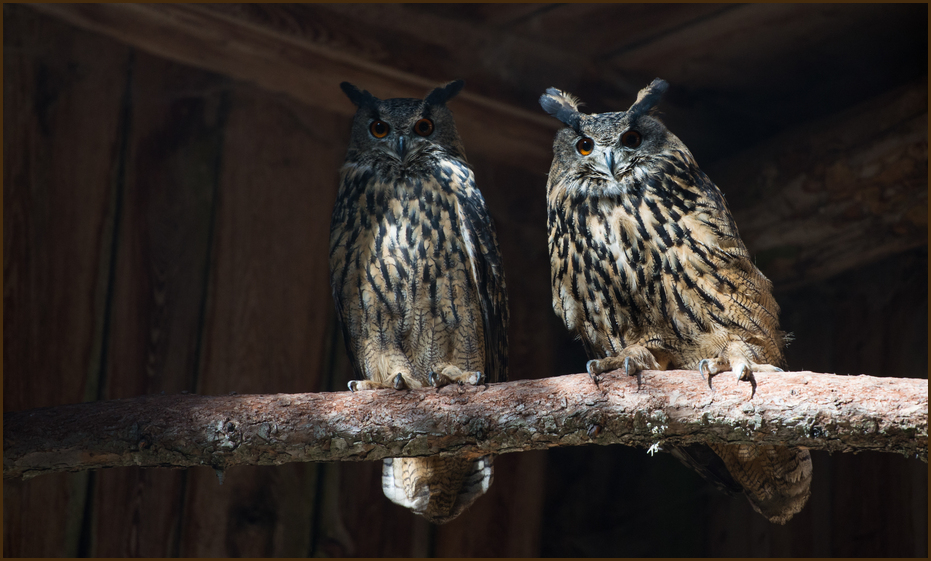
(166, 215)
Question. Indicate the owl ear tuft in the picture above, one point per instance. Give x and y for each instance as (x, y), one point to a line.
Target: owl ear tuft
(562, 105)
(648, 97)
(442, 94)
(357, 96)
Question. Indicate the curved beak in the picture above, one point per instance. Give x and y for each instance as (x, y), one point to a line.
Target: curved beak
(402, 146)
(609, 160)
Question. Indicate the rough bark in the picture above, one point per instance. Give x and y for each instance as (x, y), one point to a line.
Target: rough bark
(817, 411)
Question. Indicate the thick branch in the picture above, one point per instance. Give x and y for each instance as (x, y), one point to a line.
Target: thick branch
(818, 411)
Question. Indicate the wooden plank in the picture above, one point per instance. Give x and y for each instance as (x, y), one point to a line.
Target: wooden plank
(61, 102)
(611, 28)
(159, 296)
(307, 67)
(835, 194)
(728, 51)
(508, 516)
(269, 308)
(357, 520)
(493, 15)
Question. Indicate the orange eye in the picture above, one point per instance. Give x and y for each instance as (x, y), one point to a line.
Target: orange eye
(585, 146)
(631, 139)
(379, 129)
(423, 127)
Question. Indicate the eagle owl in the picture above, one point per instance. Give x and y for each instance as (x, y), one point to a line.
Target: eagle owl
(417, 277)
(648, 269)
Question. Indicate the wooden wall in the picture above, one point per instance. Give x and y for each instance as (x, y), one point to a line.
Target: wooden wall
(165, 230)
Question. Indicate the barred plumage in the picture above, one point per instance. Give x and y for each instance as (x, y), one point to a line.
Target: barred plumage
(648, 269)
(417, 278)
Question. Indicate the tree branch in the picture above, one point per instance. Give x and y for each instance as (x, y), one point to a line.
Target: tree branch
(817, 411)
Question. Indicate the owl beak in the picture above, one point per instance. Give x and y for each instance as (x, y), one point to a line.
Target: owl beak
(609, 160)
(402, 147)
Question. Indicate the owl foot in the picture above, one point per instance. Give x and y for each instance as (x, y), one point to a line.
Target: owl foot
(449, 374)
(397, 383)
(709, 368)
(632, 359)
(631, 368)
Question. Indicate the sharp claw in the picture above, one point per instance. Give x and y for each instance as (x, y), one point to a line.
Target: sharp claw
(432, 378)
(399, 382)
(745, 374)
(702, 366)
(778, 369)
(352, 386)
(589, 367)
(637, 373)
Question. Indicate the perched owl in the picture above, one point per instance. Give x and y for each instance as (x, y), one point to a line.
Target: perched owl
(649, 271)
(417, 277)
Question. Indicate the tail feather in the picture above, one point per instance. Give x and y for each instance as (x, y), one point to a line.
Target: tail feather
(775, 479)
(439, 489)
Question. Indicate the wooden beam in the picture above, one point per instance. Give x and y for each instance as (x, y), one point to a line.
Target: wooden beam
(308, 68)
(838, 193)
(817, 411)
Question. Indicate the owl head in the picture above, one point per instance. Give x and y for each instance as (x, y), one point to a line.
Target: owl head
(605, 150)
(403, 134)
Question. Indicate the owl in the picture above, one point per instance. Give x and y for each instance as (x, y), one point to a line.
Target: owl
(417, 277)
(649, 271)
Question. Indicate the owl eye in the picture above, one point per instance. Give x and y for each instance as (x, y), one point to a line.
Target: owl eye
(423, 127)
(379, 129)
(585, 145)
(631, 139)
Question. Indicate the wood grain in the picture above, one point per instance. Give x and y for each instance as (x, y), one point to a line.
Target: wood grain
(268, 309)
(836, 194)
(62, 135)
(178, 116)
(306, 67)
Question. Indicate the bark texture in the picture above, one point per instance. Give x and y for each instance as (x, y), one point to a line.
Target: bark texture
(817, 411)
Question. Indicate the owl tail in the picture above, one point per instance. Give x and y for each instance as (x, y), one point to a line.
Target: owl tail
(438, 489)
(775, 479)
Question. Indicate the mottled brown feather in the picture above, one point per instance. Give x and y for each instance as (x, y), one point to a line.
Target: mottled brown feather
(417, 278)
(648, 265)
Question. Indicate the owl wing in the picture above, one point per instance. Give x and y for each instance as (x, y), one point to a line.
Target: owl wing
(347, 336)
(478, 233)
(713, 212)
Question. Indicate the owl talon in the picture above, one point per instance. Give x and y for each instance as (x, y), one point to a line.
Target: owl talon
(399, 383)
(352, 385)
(745, 374)
(592, 368)
(433, 378)
(636, 372)
(702, 366)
